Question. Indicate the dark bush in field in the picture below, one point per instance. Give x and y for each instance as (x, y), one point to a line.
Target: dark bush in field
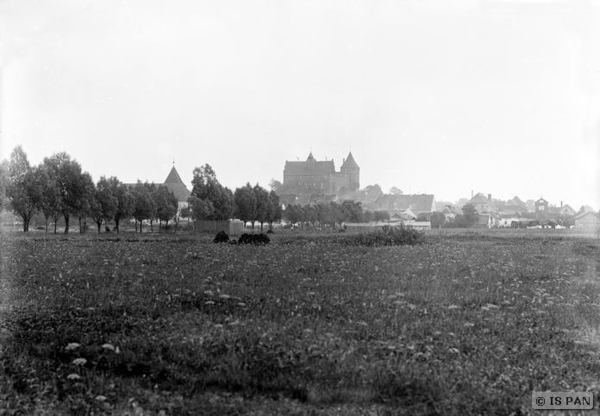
(256, 239)
(387, 236)
(221, 237)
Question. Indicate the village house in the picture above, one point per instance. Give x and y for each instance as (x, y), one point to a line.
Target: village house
(451, 211)
(588, 221)
(514, 206)
(482, 203)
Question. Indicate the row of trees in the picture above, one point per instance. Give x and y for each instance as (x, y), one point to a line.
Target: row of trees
(210, 200)
(58, 188)
(332, 213)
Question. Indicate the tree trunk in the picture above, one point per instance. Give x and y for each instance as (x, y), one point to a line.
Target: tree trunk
(25, 224)
(117, 225)
(55, 221)
(99, 224)
(80, 229)
(151, 226)
(140, 227)
(66, 224)
(261, 226)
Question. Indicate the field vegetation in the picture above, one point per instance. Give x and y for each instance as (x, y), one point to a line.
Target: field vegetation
(460, 323)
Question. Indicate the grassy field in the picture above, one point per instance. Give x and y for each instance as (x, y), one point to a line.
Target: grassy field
(465, 323)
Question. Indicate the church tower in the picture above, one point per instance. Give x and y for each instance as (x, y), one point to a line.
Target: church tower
(352, 171)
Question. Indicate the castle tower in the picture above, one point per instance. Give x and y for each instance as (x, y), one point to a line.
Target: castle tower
(351, 169)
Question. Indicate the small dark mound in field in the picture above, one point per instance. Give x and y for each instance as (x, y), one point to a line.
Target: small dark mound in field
(221, 237)
(256, 239)
(269, 231)
(232, 242)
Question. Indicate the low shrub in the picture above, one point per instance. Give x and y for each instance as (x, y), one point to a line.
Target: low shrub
(387, 236)
(221, 237)
(256, 239)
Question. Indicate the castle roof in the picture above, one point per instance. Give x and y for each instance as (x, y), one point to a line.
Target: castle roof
(176, 185)
(350, 163)
(311, 158)
(309, 168)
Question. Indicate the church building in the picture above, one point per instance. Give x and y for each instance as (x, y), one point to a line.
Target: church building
(174, 184)
(312, 176)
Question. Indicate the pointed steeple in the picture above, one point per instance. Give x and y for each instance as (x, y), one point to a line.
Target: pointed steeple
(311, 158)
(174, 177)
(349, 162)
(176, 185)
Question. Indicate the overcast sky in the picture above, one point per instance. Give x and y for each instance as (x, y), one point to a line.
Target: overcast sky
(441, 97)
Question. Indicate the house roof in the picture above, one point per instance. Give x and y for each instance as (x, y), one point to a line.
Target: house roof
(583, 214)
(516, 201)
(453, 209)
(350, 163)
(567, 206)
(309, 168)
(479, 199)
(311, 158)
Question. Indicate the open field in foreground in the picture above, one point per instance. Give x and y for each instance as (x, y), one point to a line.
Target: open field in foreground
(463, 324)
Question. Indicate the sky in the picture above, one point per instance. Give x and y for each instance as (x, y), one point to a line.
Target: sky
(439, 97)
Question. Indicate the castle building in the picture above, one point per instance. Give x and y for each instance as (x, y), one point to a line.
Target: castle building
(312, 176)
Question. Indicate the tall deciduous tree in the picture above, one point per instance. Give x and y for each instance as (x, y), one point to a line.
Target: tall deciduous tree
(244, 203)
(83, 209)
(274, 211)
(51, 199)
(166, 205)
(124, 198)
(143, 205)
(206, 187)
(4, 182)
(470, 214)
(104, 203)
(25, 186)
(438, 219)
(262, 205)
(200, 209)
(71, 187)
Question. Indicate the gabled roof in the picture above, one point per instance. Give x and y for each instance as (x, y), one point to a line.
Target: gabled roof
(479, 199)
(311, 158)
(516, 201)
(350, 163)
(567, 206)
(452, 209)
(583, 214)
